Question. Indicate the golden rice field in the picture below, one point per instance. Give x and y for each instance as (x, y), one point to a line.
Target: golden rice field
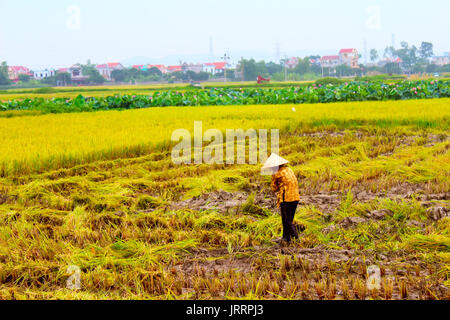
(100, 191)
(52, 141)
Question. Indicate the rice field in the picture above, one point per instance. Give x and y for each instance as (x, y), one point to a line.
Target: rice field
(99, 191)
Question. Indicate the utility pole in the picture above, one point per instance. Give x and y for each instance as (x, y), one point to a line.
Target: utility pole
(321, 64)
(225, 58)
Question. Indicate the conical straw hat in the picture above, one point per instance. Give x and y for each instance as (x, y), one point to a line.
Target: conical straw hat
(274, 161)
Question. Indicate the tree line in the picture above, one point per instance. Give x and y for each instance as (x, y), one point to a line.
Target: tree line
(413, 60)
(407, 59)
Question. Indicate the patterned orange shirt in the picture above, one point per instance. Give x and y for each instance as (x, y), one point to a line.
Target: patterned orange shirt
(285, 183)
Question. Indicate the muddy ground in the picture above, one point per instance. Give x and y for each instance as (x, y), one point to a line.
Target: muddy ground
(326, 202)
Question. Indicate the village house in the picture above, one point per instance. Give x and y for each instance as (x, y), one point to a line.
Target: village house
(15, 71)
(142, 67)
(171, 69)
(106, 69)
(384, 62)
(76, 74)
(292, 62)
(349, 57)
(441, 60)
(197, 67)
(215, 67)
(63, 70)
(42, 74)
(330, 61)
(314, 62)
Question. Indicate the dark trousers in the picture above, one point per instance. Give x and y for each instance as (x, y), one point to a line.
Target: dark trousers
(287, 217)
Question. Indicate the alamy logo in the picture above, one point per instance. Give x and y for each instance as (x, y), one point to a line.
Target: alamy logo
(214, 152)
(73, 282)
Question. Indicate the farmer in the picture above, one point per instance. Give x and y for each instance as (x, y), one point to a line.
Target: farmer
(285, 184)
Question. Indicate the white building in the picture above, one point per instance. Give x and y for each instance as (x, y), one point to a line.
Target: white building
(441, 60)
(42, 74)
(216, 67)
(106, 69)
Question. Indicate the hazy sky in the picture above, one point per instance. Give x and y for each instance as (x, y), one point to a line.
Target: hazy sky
(57, 33)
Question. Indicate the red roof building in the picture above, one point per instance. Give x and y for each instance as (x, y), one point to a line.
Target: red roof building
(15, 71)
(329, 61)
(292, 62)
(107, 68)
(215, 67)
(349, 57)
(342, 51)
(171, 69)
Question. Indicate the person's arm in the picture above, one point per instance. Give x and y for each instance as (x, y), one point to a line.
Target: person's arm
(274, 185)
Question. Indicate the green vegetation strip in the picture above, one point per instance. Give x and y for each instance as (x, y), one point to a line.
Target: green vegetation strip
(316, 93)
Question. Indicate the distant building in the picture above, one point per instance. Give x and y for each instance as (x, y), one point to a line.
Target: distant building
(106, 69)
(142, 67)
(195, 67)
(330, 61)
(171, 69)
(292, 62)
(314, 62)
(215, 67)
(384, 62)
(76, 74)
(441, 60)
(349, 57)
(63, 70)
(42, 74)
(160, 67)
(15, 71)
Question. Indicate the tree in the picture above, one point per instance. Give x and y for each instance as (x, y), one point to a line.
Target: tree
(273, 68)
(93, 74)
(154, 71)
(191, 75)
(252, 69)
(426, 50)
(314, 67)
(50, 81)
(204, 76)
(4, 77)
(119, 75)
(407, 54)
(390, 53)
(392, 68)
(344, 70)
(24, 77)
(248, 69)
(63, 78)
(303, 66)
(180, 75)
(373, 55)
(198, 76)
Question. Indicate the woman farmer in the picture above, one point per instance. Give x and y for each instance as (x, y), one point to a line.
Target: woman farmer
(285, 184)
